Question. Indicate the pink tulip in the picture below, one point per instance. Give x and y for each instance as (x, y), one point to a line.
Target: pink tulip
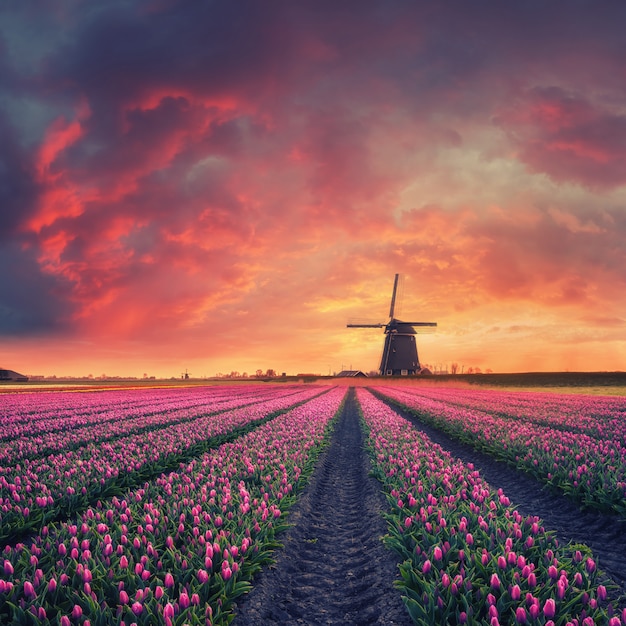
(549, 608)
(77, 611)
(29, 590)
(8, 568)
(169, 580)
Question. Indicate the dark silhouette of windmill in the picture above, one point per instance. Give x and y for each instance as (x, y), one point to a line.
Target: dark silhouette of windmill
(400, 350)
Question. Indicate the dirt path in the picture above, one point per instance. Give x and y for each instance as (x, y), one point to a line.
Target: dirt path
(333, 568)
(605, 534)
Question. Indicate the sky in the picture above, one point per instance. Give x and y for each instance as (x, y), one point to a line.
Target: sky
(217, 186)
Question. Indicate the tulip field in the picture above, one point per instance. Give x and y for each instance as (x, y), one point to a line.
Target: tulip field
(50, 470)
(468, 555)
(179, 548)
(159, 506)
(574, 443)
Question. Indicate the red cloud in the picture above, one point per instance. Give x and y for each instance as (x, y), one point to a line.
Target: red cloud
(568, 137)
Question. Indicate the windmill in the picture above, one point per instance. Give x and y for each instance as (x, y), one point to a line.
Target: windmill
(400, 350)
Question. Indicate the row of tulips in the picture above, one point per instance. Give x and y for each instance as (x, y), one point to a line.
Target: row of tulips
(589, 469)
(178, 550)
(468, 556)
(38, 490)
(124, 422)
(37, 413)
(598, 416)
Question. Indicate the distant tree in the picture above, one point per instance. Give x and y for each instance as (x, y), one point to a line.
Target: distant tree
(470, 370)
(244, 375)
(259, 374)
(270, 373)
(488, 371)
(454, 368)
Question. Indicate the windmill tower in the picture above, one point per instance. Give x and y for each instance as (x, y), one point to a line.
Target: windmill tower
(400, 350)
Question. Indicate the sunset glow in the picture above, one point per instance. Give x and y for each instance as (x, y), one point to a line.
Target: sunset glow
(219, 187)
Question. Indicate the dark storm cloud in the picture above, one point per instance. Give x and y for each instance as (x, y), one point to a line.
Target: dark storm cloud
(18, 189)
(126, 53)
(30, 301)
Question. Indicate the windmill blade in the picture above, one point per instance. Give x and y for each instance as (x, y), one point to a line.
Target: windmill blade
(393, 296)
(423, 327)
(364, 322)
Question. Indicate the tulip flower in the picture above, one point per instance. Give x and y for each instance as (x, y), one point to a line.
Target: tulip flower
(516, 592)
(549, 608)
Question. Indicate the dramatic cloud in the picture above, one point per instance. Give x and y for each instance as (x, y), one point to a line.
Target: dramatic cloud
(222, 186)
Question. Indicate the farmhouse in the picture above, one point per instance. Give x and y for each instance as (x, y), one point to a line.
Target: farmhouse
(10, 375)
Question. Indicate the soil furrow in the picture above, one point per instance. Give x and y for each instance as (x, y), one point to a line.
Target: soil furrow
(334, 568)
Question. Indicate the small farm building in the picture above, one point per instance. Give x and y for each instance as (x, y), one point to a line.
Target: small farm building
(10, 375)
